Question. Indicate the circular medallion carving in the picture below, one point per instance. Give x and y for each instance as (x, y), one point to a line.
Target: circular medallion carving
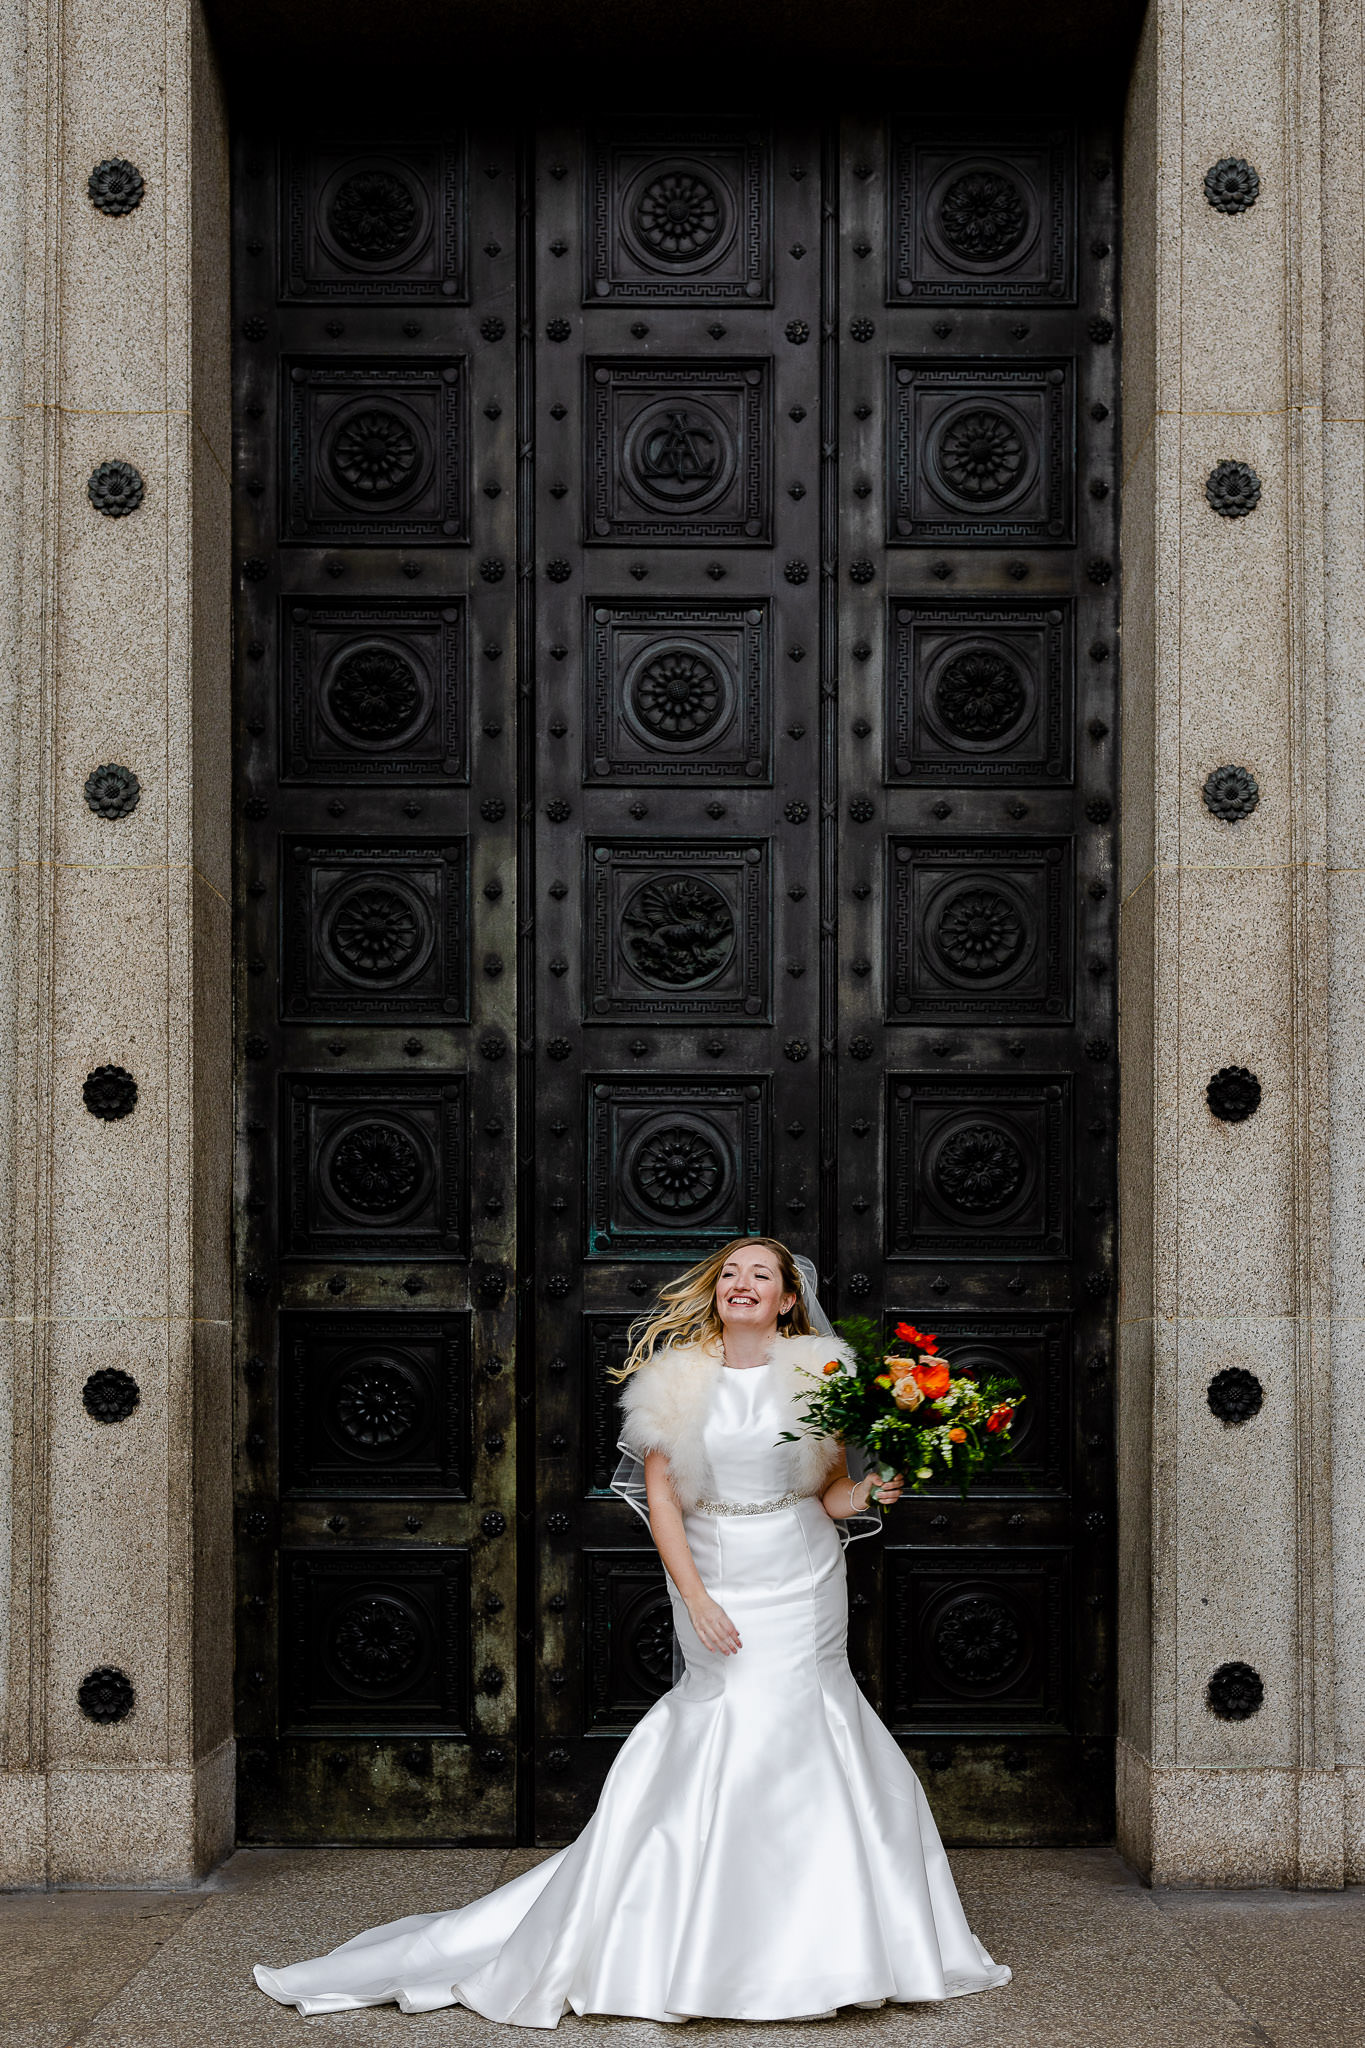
(373, 215)
(977, 1640)
(681, 933)
(374, 693)
(378, 930)
(979, 932)
(677, 1169)
(375, 1640)
(678, 215)
(375, 1168)
(978, 1168)
(373, 454)
(981, 455)
(678, 455)
(982, 216)
(677, 694)
(979, 695)
(375, 1405)
(648, 1644)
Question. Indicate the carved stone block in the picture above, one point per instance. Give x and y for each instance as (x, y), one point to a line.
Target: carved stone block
(678, 930)
(374, 1637)
(980, 930)
(678, 693)
(983, 215)
(980, 691)
(381, 224)
(375, 451)
(979, 1166)
(675, 1165)
(374, 1405)
(375, 1166)
(679, 453)
(679, 213)
(373, 692)
(982, 453)
(374, 928)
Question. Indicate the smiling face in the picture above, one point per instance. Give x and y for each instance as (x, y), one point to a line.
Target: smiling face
(749, 1293)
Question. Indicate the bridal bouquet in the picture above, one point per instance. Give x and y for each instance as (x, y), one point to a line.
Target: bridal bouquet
(909, 1409)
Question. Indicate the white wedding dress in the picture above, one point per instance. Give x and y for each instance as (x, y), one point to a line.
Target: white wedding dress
(761, 1850)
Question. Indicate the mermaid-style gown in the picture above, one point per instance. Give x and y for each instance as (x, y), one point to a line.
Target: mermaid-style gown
(761, 1850)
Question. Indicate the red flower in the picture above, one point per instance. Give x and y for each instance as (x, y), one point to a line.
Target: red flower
(908, 1334)
(932, 1380)
(999, 1418)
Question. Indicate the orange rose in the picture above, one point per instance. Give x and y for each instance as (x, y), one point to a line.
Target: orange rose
(832, 1366)
(932, 1378)
(999, 1418)
(957, 1436)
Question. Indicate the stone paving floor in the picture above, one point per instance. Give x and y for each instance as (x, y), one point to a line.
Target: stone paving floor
(1097, 1959)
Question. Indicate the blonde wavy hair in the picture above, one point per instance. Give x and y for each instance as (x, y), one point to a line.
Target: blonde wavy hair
(685, 1312)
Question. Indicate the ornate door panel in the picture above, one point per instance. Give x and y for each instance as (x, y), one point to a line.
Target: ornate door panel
(977, 655)
(676, 851)
(375, 636)
(675, 647)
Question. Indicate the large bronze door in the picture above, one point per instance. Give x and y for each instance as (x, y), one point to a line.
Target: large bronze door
(675, 655)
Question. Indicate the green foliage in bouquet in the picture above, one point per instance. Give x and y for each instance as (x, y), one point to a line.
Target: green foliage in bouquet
(910, 1410)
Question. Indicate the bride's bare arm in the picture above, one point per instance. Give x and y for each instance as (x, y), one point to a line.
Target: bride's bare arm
(844, 1496)
(708, 1617)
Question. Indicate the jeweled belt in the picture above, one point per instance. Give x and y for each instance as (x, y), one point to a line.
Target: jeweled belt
(750, 1507)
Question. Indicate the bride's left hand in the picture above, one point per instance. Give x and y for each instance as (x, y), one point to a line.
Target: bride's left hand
(888, 1491)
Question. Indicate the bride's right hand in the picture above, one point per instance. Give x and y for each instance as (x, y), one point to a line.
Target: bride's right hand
(713, 1625)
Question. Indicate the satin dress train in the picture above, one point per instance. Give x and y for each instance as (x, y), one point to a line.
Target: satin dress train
(761, 1850)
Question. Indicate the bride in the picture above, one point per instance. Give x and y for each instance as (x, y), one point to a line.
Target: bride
(762, 1850)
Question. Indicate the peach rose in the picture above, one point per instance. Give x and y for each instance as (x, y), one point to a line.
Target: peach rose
(907, 1394)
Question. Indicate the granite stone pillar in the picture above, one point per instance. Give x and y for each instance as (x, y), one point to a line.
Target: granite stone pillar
(114, 935)
(1227, 1527)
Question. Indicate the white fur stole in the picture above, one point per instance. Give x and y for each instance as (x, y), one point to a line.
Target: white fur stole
(664, 1408)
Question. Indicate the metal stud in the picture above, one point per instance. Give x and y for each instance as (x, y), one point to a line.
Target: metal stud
(1233, 1094)
(116, 186)
(1231, 185)
(112, 791)
(1235, 1692)
(109, 1093)
(106, 1694)
(115, 489)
